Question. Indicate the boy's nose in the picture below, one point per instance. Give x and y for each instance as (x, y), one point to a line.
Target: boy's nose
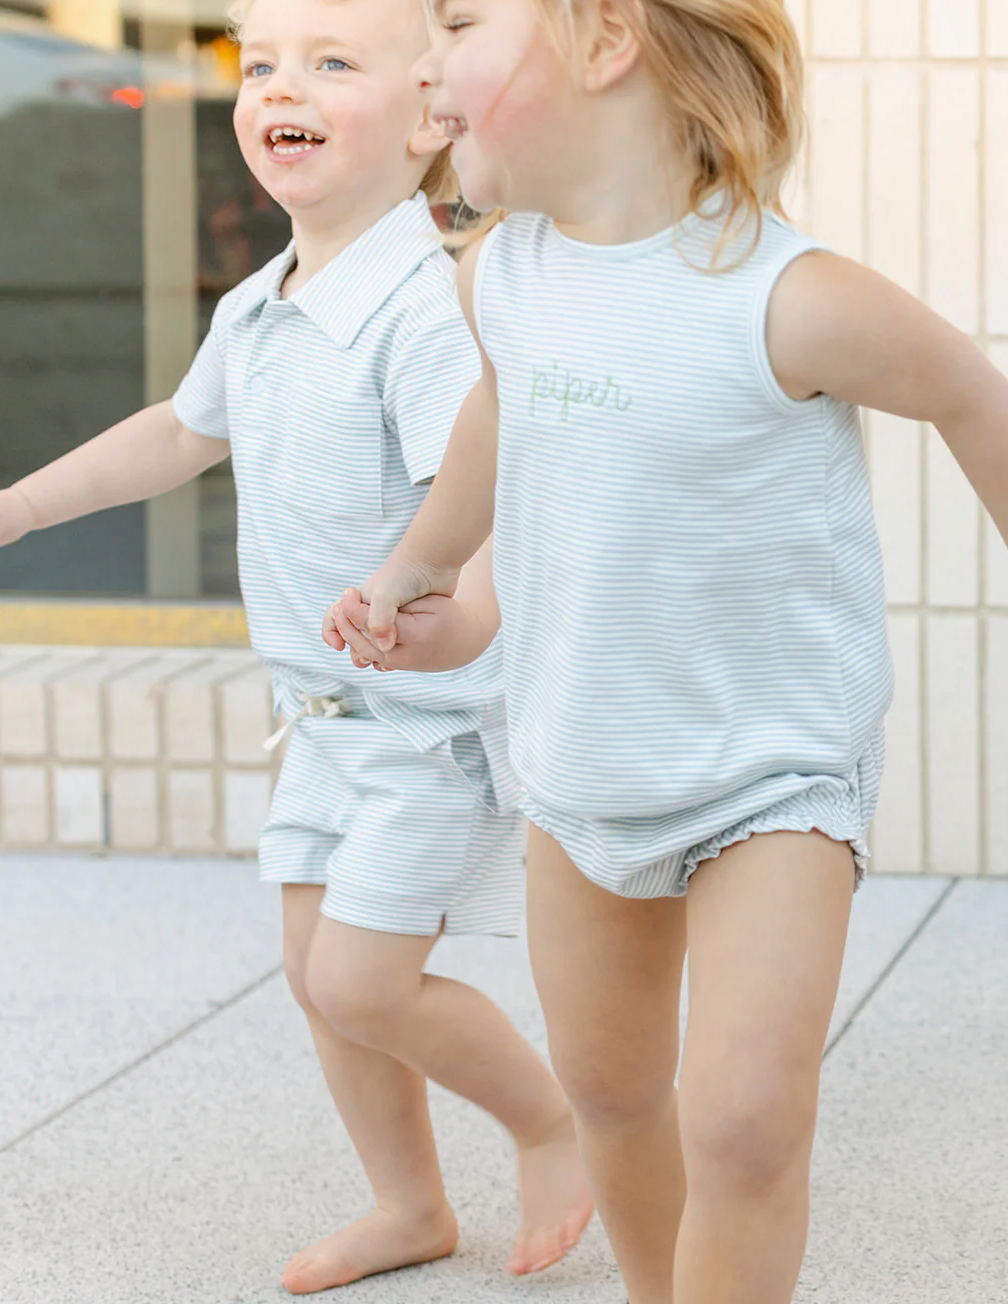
(284, 87)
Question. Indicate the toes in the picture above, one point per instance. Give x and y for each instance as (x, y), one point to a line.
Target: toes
(537, 1254)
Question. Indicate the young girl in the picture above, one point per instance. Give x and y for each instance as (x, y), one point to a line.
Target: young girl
(333, 377)
(689, 581)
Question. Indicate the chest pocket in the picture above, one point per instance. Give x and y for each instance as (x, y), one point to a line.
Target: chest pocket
(330, 455)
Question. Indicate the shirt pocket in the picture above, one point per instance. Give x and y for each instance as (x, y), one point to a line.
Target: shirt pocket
(331, 458)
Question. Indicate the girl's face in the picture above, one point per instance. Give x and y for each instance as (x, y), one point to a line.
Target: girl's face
(504, 95)
(329, 116)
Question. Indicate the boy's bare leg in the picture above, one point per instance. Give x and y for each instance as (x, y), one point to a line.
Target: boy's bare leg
(383, 1105)
(609, 973)
(371, 988)
(767, 928)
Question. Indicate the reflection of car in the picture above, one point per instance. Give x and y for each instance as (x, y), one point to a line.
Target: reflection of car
(72, 270)
(39, 66)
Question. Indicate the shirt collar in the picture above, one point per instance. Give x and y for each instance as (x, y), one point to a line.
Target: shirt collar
(343, 297)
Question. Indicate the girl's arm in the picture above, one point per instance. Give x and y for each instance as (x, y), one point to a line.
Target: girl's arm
(837, 328)
(145, 455)
(457, 516)
(433, 633)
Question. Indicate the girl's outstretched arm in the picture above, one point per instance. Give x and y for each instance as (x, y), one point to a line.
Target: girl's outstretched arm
(145, 455)
(837, 328)
(457, 515)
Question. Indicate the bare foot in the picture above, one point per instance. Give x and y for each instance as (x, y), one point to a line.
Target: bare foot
(380, 1242)
(556, 1203)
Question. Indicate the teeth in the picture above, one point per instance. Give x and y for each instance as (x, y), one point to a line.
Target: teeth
(294, 133)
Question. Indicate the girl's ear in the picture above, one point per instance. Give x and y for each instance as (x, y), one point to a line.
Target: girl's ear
(610, 43)
(426, 140)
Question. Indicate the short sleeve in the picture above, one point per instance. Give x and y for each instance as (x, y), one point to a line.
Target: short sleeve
(200, 402)
(429, 378)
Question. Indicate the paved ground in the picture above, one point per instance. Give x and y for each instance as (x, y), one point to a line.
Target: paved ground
(164, 1134)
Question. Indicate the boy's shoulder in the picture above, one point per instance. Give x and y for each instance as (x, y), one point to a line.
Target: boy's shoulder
(427, 297)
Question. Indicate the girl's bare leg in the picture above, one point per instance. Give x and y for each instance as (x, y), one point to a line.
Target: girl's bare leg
(370, 988)
(383, 1105)
(609, 973)
(767, 929)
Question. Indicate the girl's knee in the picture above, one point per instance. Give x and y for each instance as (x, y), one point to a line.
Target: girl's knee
(746, 1136)
(608, 1093)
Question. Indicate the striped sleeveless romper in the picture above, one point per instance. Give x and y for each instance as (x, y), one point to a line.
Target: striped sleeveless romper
(650, 465)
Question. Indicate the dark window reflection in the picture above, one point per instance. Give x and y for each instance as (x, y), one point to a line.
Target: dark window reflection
(71, 287)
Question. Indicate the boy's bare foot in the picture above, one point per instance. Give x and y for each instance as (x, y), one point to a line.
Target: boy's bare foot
(380, 1242)
(556, 1203)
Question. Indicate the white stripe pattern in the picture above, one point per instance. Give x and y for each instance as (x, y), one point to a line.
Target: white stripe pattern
(686, 559)
(338, 403)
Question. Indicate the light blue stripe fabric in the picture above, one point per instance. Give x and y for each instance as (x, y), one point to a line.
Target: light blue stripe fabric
(686, 559)
(338, 404)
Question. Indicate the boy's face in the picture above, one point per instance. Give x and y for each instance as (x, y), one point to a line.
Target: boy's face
(328, 117)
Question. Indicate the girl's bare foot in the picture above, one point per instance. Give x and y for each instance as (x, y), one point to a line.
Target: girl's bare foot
(380, 1242)
(556, 1203)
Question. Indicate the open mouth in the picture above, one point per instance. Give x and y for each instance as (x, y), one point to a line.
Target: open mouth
(453, 129)
(289, 142)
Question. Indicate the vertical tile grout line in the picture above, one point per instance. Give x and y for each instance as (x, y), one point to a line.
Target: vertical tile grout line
(982, 618)
(923, 629)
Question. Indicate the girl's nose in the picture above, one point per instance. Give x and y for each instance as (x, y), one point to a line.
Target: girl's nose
(427, 71)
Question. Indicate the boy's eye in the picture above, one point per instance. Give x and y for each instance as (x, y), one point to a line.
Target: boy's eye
(335, 65)
(258, 70)
(456, 24)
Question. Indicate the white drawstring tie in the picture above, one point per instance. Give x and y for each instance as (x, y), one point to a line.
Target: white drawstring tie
(326, 708)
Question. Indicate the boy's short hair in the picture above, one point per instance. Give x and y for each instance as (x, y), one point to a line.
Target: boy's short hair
(440, 183)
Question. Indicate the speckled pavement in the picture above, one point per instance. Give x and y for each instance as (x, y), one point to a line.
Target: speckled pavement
(165, 1134)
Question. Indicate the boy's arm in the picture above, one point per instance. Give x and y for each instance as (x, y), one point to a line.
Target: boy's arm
(145, 455)
(836, 328)
(457, 515)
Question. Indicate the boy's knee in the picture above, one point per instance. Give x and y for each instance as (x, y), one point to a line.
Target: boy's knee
(295, 968)
(747, 1139)
(363, 1007)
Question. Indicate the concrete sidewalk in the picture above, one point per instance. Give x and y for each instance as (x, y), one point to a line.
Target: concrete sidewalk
(165, 1134)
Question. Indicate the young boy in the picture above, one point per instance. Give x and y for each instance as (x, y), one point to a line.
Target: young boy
(333, 377)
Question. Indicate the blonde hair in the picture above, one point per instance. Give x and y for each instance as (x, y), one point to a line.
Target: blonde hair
(439, 184)
(732, 77)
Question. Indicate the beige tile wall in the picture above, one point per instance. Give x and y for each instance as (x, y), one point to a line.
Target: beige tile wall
(907, 170)
(134, 750)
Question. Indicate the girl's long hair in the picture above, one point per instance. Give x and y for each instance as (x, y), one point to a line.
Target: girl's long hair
(732, 77)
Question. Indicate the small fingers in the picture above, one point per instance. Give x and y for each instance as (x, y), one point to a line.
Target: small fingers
(363, 652)
(330, 630)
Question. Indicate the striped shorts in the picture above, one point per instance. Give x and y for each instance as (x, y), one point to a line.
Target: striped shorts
(403, 841)
(646, 859)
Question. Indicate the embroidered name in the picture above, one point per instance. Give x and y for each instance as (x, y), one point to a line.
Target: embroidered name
(562, 389)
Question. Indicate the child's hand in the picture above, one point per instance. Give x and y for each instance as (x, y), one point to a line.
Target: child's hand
(434, 633)
(15, 516)
(392, 587)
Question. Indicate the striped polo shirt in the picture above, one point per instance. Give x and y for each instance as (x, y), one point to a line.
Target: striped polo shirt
(338, 403)
(686, 559)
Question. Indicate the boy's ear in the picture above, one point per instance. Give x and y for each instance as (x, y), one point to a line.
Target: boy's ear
(610, 44)
(426, 140)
